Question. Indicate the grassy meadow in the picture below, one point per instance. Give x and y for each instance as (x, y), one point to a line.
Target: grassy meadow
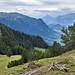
(14, 70)
(40, 49)
(66, 58)
(4, 61)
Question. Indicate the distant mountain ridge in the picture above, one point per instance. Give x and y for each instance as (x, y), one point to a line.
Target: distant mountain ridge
(58, 22)
(48, 19)
(64, 20)
(29, 25)
(56, 27)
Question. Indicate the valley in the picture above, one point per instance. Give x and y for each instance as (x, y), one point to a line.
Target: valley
(23, 49)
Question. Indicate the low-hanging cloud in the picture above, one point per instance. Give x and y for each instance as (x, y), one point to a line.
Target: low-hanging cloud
(46, 11)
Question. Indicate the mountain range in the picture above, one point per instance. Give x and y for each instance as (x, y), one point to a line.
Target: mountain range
(64, 20)
(56, 27)
(49, 28)
(60, 21)
(29, 25)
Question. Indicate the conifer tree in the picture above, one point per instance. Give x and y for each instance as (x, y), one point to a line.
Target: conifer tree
(68, 37)
(9, 53)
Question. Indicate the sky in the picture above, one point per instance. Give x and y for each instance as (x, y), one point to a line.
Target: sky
(38, 8)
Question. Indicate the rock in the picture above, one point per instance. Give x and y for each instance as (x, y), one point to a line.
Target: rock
(6, 67)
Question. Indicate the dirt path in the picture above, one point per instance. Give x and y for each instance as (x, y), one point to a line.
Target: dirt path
(30, 72)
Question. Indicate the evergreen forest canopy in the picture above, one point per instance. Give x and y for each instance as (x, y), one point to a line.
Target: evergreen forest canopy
(16, 42)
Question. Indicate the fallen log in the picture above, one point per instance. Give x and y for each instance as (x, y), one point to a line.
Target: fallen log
(55, 65)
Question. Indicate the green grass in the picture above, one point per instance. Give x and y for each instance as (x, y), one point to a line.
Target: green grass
(14, 70)
(66, 59)
(4, 61)
(40, 49)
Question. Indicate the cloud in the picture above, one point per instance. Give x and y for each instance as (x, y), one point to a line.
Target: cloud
(42, 11)
(15, 3)
(47, 2)
(51, 10)
(66, 9)
(38, 7)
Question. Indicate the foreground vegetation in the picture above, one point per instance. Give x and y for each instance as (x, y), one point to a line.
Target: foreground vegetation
(4, 62)
(66, 58)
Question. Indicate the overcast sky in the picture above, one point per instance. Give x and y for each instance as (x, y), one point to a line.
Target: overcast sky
(38, 8)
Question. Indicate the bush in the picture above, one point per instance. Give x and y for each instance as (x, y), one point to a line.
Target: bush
(15, 63)
(32, 65)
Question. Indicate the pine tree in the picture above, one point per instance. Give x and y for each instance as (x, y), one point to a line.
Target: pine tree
(68, 37)
(9, 53)
(24, 56)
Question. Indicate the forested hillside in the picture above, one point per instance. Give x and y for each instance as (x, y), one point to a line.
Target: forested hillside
(17, 41)
(29, 25)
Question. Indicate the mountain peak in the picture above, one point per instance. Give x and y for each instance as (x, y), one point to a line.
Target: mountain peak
(48, 19)
(48, 16)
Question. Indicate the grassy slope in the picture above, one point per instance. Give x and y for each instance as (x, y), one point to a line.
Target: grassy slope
(40, 49)
(66, 58)
(4, 61)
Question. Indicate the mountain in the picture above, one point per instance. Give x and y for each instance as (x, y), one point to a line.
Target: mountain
(60, 21)
(48, 19)
(51, 24)
(29, 25)
(56, 27)
(11, 39)
(64, 20)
